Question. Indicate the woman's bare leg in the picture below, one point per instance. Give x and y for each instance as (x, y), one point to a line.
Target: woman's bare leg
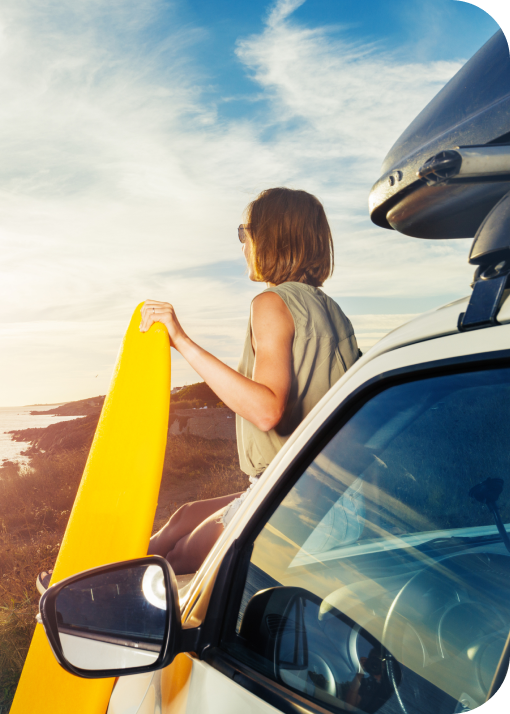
(184, 521)
(189, 552)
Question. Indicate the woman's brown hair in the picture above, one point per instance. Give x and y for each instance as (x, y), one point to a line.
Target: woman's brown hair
(291, 237)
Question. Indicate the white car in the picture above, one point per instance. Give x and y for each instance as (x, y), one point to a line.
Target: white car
(369, 571)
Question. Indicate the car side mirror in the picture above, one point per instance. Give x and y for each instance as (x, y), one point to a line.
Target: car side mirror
(114, 620)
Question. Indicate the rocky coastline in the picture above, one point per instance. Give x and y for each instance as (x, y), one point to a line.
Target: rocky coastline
(194, 411)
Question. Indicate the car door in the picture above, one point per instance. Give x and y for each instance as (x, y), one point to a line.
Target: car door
(378, 579)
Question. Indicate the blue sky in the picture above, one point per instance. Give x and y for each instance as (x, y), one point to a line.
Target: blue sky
(135, 133)
(430, 29)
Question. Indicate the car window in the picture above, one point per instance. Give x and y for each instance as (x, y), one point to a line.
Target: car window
(382, 580)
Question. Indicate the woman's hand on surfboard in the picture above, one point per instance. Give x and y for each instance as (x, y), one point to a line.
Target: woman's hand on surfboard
(155, 311)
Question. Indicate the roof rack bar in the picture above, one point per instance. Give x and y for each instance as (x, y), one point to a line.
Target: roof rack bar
(491, 253)
(467, 162)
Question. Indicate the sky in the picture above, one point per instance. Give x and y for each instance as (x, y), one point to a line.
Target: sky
(135, 132)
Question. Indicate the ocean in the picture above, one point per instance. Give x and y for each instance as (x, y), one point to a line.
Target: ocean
(20, 418)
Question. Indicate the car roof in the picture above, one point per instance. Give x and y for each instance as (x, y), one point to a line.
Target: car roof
(436, 323)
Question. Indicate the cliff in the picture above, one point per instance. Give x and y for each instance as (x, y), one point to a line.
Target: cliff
(82, 407)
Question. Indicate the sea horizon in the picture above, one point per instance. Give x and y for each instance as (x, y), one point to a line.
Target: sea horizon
(30, 406)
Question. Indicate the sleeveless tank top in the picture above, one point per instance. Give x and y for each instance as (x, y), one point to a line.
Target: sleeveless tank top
(324, 348)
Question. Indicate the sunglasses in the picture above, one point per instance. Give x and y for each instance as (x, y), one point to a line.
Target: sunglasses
(241, 231)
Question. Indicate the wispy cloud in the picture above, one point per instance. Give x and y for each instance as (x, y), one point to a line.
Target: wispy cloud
(119, 177)
(281, 11)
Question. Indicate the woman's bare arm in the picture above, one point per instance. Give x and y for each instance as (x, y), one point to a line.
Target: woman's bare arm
(260, 400)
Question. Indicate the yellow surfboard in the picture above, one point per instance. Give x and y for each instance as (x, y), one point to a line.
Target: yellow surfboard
(114, 508)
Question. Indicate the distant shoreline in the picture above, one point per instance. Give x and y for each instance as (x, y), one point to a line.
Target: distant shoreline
(29, 406)
(61, 404)
(50, 404)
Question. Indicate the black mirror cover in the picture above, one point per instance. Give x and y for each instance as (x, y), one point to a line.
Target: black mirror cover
(170, 641)
(472, 109)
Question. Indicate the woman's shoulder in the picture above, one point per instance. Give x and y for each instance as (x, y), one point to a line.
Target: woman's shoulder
(270, 301)
(314, 305)
(304, 302)
(271, 314)
(296, 296)
(267, 299)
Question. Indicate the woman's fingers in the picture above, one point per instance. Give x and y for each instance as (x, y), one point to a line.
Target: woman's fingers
(156, 311)
(149, 319)
(152, 311)
(152, 306)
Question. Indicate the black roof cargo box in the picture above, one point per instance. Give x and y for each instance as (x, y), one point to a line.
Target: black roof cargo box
(472, 110)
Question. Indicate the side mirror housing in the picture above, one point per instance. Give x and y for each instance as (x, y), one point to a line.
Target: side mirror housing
(114, 620)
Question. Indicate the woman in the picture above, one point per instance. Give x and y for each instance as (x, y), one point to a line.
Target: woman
(298, 344)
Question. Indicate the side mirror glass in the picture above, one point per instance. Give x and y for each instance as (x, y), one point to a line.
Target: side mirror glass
(113, 620)
(117, 619)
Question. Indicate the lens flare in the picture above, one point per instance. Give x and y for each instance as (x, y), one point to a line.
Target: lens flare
(153, 586)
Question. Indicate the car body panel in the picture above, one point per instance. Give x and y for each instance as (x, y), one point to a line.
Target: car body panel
(431, 325)
(130, 692)
(211, 692)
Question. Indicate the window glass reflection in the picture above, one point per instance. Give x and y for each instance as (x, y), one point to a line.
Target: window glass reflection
(384, 530)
